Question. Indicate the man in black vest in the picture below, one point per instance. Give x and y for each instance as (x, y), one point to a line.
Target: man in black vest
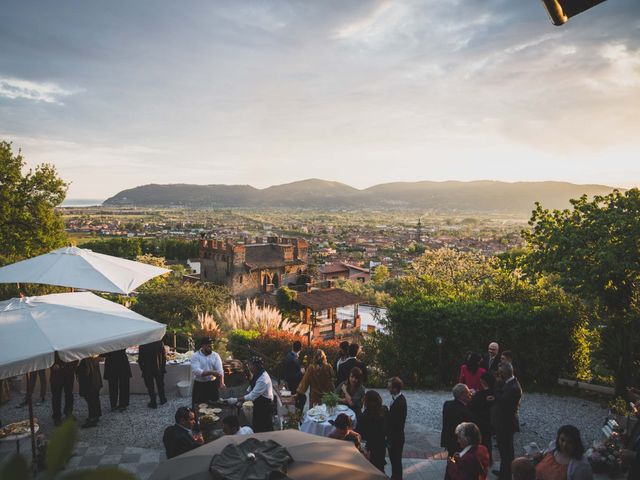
(395, 428)
(178, 438)
(504, 417)
(117, 373)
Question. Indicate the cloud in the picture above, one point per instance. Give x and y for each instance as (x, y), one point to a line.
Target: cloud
(14, 88)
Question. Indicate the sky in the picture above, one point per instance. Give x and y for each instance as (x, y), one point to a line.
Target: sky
(124, 93)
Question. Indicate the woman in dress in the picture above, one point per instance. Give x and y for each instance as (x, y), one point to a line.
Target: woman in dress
(471, 371)
(319, 377)
(261, 394)
(472, 462)
(372, 426)
(351, 391)
(564, 460)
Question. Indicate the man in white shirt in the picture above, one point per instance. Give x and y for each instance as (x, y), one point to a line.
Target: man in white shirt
(208, 374)
(261, 394)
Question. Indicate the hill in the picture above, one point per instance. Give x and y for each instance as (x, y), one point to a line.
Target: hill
(477, 196)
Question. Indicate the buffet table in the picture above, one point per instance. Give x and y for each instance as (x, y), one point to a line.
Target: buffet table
(316, 420)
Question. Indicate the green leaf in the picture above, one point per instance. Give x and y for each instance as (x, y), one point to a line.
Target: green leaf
(60, 446)
(107, 473)
(16, 468)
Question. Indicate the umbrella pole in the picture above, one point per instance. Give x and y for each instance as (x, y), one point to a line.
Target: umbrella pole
(30, 386)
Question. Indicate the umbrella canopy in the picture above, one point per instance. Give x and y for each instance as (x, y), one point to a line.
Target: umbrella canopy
(76, 325)
(79, 268)
(314, 458)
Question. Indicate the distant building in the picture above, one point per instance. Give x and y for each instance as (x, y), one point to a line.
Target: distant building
(251, 269)
(334, 271)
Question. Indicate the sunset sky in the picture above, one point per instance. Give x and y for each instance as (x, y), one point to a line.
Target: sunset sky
(123, 93)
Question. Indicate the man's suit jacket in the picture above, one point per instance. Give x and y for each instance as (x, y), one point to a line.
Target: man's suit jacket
(504, 412)
(116, 365)
(345, 369)
(292, 371)
(397, 419)
(177, 441)
(491, 365)
(152, 359)
(454, 412)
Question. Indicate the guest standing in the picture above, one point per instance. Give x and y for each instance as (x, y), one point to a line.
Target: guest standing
(471, 371)
(349, 363)
(480, 406)
(395, 428)
(492, 359)
(565, 458)
(351, 392)
(179, 438)
(152, 359)
(61, 377)
(318, 378)
(32, 378)
(117, 373)
(293, 372)
(90, 383)
(455, 412)
(343, 354)
(372, 426)
(504, 417)
(261, 394)
(208, 375)
(472, 462)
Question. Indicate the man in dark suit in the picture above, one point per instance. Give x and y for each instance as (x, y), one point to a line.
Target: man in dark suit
(504, 417)
(293, 373)
(153, 360)
(346, 366)
(178, 438)
(455, 412)
(343, 355)
(117, 373)
(395, 427)
(492, 359)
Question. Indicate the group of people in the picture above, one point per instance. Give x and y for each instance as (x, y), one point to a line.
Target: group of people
(378, 428)
(117, 372)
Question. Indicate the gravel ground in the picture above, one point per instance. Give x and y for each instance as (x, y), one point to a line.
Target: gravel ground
(142, 427)
(540, 414)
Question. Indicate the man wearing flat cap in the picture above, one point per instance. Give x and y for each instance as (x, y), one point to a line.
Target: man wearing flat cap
(208, 374)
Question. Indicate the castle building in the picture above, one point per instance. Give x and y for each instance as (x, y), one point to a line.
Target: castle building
(251, 269)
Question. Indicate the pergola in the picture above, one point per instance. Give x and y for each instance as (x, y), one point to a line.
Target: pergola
(316, 302)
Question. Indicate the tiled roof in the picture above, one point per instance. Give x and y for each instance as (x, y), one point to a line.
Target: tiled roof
(327, 298)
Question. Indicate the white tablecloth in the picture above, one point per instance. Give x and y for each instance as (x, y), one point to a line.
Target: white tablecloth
(323, 429)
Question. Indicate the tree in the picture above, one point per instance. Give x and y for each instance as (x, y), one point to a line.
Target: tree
(29, 224)
(594, 249)
(380, 275)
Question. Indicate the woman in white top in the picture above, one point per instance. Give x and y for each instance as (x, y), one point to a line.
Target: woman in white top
(261, 394)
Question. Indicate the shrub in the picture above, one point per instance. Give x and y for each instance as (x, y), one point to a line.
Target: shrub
(543, 337)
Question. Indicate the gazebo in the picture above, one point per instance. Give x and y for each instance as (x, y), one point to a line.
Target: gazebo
(318, 310)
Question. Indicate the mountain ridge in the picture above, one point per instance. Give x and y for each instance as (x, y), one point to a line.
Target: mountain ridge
(477, 195)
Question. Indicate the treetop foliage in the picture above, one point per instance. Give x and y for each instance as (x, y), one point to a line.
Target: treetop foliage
(29, 224)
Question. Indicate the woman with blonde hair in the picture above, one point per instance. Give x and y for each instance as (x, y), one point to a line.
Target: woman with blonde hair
(319, 377)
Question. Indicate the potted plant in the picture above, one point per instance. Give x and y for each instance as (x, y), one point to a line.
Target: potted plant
(330, 399)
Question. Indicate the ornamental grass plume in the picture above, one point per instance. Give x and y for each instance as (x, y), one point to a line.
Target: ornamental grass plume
(255, 317)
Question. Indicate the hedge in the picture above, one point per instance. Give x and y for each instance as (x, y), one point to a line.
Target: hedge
(546, 340)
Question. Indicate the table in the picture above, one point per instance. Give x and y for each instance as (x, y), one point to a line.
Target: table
(19, 436)
(323, 429)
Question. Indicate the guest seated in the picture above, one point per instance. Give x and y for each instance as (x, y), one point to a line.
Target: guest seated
(472, 462)
(522, 469)
(564, 458)
(231, 426)
(179, 438)
(343, 430)
(351, 391)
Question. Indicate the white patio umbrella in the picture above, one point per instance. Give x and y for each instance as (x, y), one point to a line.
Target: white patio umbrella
(75, 325)
(80, 268)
